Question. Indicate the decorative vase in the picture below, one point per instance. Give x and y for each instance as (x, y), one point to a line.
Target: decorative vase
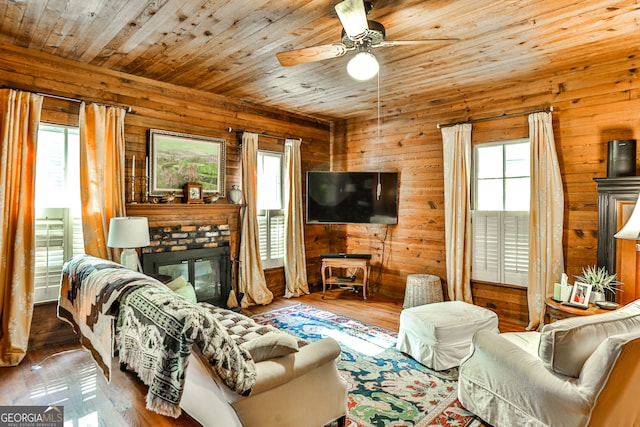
(596, 296)
(235, 194)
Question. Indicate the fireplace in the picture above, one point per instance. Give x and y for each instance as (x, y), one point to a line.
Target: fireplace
(198, 241)
(207, 269)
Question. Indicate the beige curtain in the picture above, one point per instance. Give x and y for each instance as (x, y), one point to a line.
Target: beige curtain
(546, 259)
(102, 183)
(252, 281)
(19, 120)
(457, 217)
(295, 261)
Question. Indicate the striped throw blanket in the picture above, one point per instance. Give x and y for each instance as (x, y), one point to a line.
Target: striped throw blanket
(116, 310)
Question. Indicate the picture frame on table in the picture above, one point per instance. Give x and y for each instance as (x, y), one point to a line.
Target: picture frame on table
(176, 159)
(580, 295)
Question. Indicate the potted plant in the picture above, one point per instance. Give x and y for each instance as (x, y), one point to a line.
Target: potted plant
(600, 281)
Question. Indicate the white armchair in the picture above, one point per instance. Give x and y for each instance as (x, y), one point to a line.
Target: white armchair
(575, 372)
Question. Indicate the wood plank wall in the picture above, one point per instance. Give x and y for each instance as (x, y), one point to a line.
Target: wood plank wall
(168, 107)
(594, 104)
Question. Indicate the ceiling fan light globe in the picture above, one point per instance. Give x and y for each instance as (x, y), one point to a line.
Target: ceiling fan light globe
(363, 66)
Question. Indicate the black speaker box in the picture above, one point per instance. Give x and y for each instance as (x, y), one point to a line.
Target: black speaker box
(622, 158)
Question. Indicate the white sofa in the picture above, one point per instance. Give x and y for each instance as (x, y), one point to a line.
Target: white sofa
(303, 388)
(582, 371)
(219, 366)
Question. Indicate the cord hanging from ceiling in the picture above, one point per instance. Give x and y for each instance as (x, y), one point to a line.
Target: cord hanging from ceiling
(379, 187)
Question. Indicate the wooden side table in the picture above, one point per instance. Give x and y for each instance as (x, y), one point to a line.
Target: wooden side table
(556, 311)
(330, 279)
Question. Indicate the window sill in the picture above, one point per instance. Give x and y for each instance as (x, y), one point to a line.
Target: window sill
(503, 285)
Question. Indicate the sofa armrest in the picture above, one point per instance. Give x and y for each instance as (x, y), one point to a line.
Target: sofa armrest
(503, 383)
(275, 372)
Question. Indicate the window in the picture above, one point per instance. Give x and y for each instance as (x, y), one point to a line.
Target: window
(58, 224)
(270, 209)
(501, 214)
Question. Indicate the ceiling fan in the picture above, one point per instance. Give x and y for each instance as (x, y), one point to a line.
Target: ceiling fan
(358, 34)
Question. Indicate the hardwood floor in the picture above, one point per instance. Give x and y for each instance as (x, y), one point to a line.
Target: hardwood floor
(68, 376)
(377, 310)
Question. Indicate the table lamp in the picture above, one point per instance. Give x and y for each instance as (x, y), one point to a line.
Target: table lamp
(129, 232)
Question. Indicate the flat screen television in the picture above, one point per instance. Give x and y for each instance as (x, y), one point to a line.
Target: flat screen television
(352, 197)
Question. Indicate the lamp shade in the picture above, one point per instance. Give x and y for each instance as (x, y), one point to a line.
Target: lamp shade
(128, 232)
(631, 229)
(363, 66)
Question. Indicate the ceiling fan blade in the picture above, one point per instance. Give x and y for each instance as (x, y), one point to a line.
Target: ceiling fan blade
(311, 54)
(353, 18)
(386, 43)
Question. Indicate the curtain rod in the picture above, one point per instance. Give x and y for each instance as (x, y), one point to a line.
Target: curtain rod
(503, 116)
(66, 98)
(239, 131)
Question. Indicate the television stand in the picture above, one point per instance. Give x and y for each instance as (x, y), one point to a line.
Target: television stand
(359, 262)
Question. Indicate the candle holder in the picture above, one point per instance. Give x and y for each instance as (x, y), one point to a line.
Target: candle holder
(130, 185)
(144, 189)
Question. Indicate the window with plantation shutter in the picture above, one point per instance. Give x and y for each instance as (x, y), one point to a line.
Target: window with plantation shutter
(58, 223)
(270, 209)
(500, 218)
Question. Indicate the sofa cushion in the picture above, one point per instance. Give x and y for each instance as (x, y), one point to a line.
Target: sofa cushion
(177, 283)
(183, 288)
(565, 345)
(271, 345)
(243, 330)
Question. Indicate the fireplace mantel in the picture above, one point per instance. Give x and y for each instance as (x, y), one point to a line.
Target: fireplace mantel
(160, 215)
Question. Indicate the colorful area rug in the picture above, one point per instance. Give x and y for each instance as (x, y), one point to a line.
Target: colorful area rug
(386, 388)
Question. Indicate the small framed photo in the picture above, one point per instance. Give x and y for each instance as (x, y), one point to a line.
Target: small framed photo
(580, 295)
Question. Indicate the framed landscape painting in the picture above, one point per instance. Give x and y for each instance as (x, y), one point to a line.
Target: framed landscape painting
(178, 158)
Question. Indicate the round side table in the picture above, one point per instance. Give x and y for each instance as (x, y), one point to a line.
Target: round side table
(556, 311)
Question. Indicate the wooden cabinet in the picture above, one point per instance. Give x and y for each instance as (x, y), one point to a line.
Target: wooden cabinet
(616, 200)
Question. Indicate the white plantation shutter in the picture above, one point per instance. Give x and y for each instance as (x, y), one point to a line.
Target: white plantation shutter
(263, 235)
(49, 257)
(271, 237)
(516, 247)
(78, 235)
(486, 245)
(501, 247)
(58, 238)
(276, 228)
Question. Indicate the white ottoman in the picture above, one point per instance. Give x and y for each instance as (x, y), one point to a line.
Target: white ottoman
(439, 335)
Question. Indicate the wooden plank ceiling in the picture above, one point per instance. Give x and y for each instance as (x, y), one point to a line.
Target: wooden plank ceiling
(228, 47)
